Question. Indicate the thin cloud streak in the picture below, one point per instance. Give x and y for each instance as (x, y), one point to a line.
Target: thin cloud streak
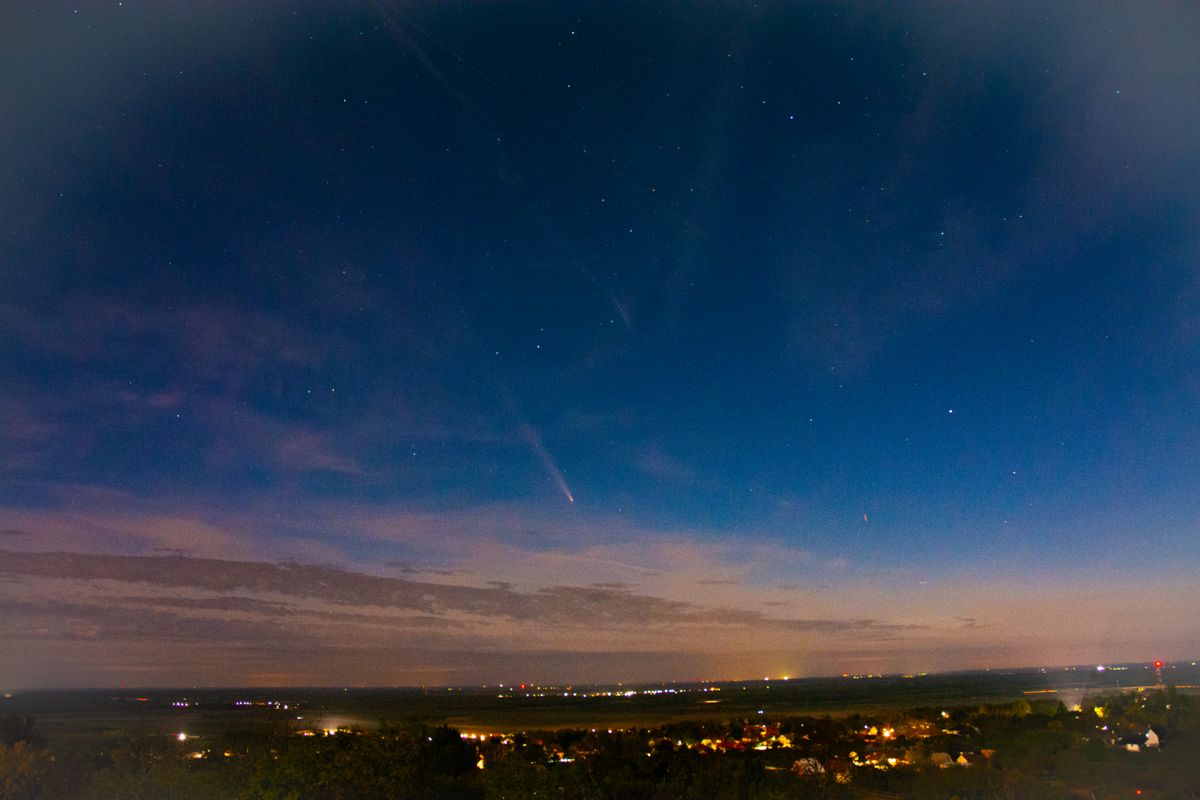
(172, 602)
(73, 603)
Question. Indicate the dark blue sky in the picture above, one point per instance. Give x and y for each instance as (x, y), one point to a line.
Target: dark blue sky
(681, 303)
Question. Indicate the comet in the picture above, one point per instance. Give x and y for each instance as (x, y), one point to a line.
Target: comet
(543, 455)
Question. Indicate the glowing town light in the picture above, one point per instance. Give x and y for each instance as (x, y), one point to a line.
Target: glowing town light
(182, 736)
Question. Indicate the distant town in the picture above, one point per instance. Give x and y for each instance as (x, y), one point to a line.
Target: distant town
(1084, 737)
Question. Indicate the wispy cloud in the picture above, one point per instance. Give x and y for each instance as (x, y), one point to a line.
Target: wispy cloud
(260, 615)
(657, 463)
(175, 601)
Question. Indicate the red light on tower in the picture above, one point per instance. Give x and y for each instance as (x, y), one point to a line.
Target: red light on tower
(1158, 665)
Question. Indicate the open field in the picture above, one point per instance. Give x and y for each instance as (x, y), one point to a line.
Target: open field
(67, 714)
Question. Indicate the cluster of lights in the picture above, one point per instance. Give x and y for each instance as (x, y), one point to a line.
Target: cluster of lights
(323, 731)
(877, 763)
(201, 754)
(278, 705)
(608, 692)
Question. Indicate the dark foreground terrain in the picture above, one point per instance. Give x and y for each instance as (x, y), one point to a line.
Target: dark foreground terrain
(1069, 733)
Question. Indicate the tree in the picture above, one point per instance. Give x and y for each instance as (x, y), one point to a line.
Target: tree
(25, 771)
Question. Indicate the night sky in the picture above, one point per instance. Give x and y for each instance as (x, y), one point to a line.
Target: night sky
(441, 343)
